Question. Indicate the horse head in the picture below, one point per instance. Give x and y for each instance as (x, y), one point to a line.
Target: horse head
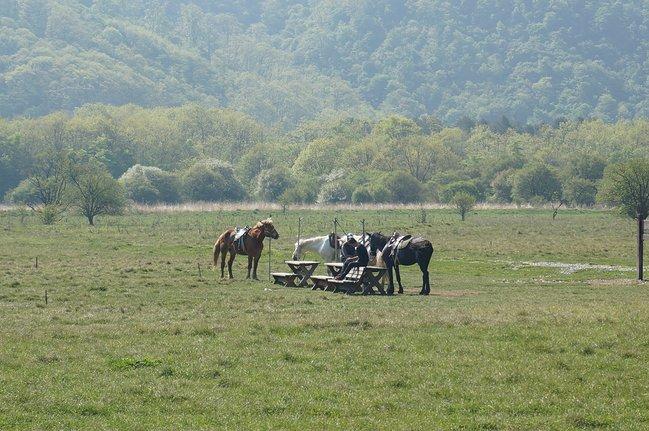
(268, 228)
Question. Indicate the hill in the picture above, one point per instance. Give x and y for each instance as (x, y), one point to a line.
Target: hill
(286, 61)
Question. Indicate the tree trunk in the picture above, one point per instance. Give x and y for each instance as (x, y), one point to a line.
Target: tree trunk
(640, 247)
(91, 219)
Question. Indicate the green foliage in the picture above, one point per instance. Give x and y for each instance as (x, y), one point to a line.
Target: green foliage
(447, 192)
(580, 191)
(95, 191)
(398, 187)
(211, 181)
(463, 202)
(148, 184)
(284, 62)
(536, 182)
(502, 186)
(627, 185)
(272, 183)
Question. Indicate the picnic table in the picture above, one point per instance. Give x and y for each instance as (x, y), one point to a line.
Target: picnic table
(302, 271)
(369, 279)
(334, 268)
(373, 275)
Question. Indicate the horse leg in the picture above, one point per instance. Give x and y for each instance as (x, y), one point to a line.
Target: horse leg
(390, 290)
(224, 252)
(254, 268)
(249, 266)
(396, 270)
(423, 265)
(233, 254)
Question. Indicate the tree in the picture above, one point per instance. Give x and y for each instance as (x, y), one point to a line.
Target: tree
(44, 191)
(96, 192)
(464, 203)
(148, 184)
(536, 182)
(627, 185)
(447, 192)
(580, 191)
(211, 181)
(271, 183)
(401, 187)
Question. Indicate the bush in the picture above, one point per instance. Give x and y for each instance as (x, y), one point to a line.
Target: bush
(362, 195)
(448, 191)
(333, 192)
(536, 183)
(272, 183)
(211, 180)
(148, 184)
(502, 186)
(579, 191)
(24, 194)
(401, 187)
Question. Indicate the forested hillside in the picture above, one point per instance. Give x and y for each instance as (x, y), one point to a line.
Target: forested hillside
(286, 61)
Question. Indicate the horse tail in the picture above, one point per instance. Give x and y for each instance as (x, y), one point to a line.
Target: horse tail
(379, 259)
(216, 250)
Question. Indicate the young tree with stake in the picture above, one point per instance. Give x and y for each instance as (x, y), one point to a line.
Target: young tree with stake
(627, 186)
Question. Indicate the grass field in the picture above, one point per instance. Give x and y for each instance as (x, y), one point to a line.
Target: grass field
(133, 338)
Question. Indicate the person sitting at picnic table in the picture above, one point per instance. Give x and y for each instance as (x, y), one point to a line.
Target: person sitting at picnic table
(349, 248)
(360, 258)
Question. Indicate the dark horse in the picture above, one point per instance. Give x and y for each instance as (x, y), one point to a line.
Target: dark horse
(419, 251)
(253, 246)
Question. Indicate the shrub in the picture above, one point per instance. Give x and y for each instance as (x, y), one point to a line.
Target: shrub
(272, 183)
(401, 187)
(362, 195)
(580, 191)
(148, 184)
(536, 183)
(448, 191)
(211, 180)
(502, 186)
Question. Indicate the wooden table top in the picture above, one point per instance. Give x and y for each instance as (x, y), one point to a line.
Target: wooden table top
(301, 262)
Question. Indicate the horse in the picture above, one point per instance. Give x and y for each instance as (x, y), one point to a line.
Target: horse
(419, 251)
(253, 245)
(322, 245)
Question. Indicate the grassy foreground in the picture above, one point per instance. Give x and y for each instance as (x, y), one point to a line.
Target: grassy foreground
(133, 338)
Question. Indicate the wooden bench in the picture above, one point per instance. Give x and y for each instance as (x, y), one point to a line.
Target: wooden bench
(352, 283)
(320, 281)
(286, 279)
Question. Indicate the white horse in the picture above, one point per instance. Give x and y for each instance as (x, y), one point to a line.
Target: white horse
(322, 246)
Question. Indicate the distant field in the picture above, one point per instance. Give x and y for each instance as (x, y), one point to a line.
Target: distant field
(133, 338)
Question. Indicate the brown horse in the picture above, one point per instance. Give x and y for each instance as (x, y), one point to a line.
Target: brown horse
(253, 246)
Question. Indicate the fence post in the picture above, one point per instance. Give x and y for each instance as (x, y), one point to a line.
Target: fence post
(336, 258)
(640, 247)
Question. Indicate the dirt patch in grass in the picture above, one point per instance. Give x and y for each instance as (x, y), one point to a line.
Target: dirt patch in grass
(453, 293)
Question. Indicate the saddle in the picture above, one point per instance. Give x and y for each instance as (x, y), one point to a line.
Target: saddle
(396, 243)
(239, 239)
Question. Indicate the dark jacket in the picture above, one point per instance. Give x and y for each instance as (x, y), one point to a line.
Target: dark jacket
(363, 257)
(348, 250)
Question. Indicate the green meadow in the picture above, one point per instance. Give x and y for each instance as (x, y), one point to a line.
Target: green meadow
(135, 336)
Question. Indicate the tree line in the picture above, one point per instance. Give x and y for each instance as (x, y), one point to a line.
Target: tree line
(191, 153)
